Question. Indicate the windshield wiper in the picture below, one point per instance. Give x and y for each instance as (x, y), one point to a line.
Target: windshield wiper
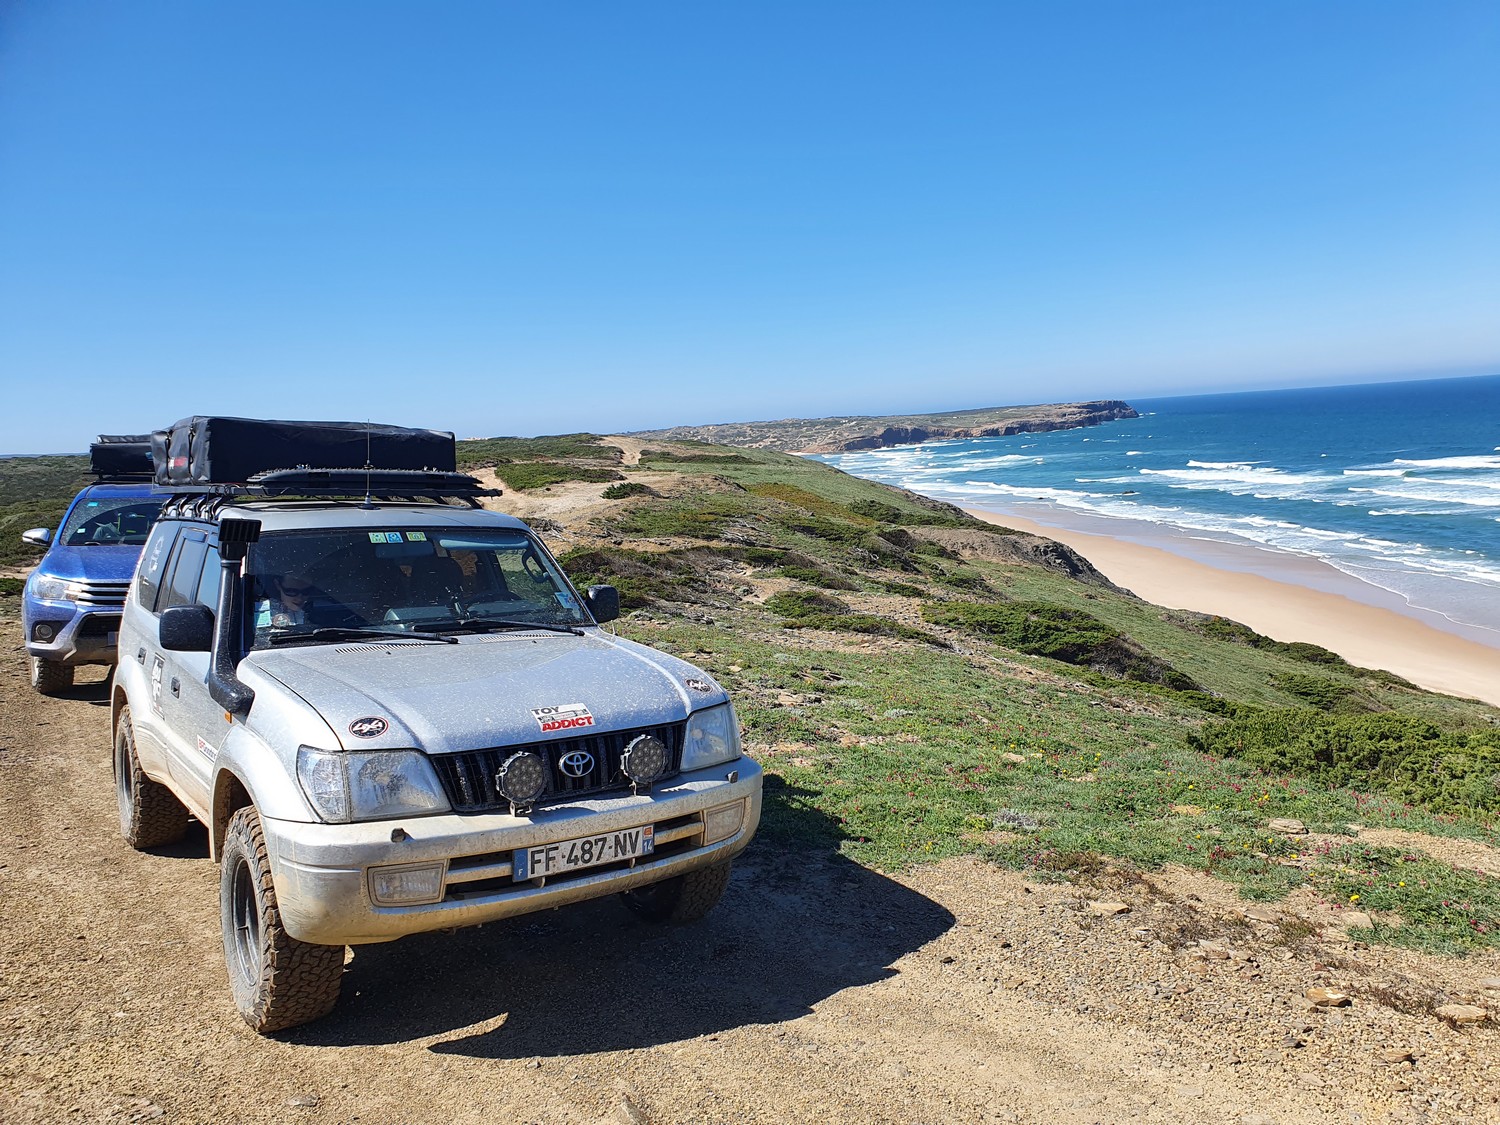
(497, 624)
(349, 633)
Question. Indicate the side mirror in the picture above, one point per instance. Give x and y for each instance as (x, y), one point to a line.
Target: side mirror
(38, 537)
(603, 603)
(187, 628)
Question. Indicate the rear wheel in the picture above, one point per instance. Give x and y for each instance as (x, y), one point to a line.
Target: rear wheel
(150, 813)
(683, 898)
(277, 981)
(49, 677)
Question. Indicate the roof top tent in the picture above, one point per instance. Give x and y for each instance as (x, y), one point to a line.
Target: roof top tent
(251, 456)
(122, 457)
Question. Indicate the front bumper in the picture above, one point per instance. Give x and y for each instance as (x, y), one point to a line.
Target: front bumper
(322, 871)
(80, 636)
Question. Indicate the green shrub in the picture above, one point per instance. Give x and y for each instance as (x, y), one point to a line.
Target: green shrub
(966, 580)
(1069, 635)
(905, 589)
(817, 576)
(526, 475)
(1411, 758)
(805, 603)
(11, 587)
(701, 518)
(863, 623)
(695, 458)
(500, 450)
(1325, 695)
(627, 489)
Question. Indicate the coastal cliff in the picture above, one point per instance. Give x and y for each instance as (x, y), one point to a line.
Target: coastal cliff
(846, 433)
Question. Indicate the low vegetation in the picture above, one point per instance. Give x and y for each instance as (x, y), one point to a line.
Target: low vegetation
(931, 685)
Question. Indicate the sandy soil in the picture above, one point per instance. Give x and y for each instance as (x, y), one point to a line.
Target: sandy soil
(1366, 635)
(819, 991)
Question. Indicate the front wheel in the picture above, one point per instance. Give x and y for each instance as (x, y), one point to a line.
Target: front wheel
(277, 981)
(49, 677)
(683, 898)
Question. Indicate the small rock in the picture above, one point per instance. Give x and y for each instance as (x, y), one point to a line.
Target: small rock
(1461, 1015)
(1326, 997)
(1261, 914)
(1189, 1091)
(303, 1101)
(1257, 1119)
(1356, 920)
(1290, 825)
(1009, 757)
(1215, 951)
(628, 1113)
(1108, 909)
(1490, 984)
(1395, 1055)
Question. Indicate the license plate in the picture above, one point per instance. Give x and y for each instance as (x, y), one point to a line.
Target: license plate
(587, 851)
(112, 639)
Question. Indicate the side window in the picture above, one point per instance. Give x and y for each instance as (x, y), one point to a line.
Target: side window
(182, 589)
(208, 585)
(154, 562)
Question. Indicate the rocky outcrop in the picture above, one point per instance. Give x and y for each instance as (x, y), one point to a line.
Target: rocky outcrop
(846, 434)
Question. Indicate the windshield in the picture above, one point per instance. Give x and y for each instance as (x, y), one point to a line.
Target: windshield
(110, 520)
(430, 580)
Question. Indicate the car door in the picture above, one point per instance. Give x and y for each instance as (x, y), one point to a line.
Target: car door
(140, 645)
(180, 683)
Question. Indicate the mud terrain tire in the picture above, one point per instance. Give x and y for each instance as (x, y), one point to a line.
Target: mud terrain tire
(685, 898)
(49, 677)
(150, 814)
(277, 981)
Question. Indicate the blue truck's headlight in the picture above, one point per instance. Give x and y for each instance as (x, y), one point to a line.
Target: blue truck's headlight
(51, 589)
(713, 737)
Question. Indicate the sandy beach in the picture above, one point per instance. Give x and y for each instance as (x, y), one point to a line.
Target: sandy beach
(1302, 603)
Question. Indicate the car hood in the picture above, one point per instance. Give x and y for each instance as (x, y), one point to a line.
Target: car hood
(485, 691)
(108, 562)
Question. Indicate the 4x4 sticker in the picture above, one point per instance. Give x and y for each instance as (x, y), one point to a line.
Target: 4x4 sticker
(372, 726)
(567, 716)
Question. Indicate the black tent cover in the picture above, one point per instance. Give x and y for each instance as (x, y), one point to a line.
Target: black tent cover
(121, 456)
(204, 450)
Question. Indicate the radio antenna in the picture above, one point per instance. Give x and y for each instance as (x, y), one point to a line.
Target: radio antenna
(369, 500)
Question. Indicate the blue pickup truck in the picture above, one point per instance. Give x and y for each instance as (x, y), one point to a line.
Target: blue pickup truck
(70, 609)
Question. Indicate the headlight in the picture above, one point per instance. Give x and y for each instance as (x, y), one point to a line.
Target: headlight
(369, 784)
(51, 589)
(713, 736)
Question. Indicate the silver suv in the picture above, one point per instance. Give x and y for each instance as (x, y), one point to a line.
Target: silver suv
(394, 713)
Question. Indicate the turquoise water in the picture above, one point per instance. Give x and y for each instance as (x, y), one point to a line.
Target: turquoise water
(1396, 484)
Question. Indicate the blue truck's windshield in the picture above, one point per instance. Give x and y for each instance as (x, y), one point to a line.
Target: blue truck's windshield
(109, 520)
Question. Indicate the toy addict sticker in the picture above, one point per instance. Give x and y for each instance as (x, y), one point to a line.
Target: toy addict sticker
(567, 716)
(372, 726)
(699, 685)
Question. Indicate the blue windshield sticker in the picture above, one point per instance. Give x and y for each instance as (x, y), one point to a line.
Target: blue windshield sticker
(565, 600)
(393, 537)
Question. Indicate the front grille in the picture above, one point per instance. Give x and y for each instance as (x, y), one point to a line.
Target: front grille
(94, 592)
(99, 625)
(469, 778)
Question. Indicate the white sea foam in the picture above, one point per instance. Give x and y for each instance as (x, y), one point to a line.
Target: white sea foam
(1477, 462)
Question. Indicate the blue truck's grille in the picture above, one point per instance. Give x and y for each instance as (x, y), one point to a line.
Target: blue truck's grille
(469, 778)
(97, 592)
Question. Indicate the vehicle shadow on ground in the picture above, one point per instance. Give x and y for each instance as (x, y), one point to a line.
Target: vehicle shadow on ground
(798, 924)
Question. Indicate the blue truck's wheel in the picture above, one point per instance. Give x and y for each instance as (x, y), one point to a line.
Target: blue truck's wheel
(49, 677)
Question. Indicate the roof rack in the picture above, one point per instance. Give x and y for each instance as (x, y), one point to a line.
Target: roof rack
(347, 484)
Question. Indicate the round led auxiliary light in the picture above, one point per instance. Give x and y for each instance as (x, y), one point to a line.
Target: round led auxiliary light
(644, 760)
(522, 779)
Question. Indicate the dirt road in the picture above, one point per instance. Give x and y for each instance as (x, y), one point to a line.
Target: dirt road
(818, 991)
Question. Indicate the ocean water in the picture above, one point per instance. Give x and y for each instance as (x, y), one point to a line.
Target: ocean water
(1394, 484)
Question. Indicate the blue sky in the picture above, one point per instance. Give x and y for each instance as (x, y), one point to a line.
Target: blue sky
(507, 218)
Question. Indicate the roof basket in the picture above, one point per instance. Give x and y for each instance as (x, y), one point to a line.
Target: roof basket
(256, 457)
(121, 457)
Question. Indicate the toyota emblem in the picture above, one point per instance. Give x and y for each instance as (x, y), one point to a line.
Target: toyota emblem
(577, 763)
